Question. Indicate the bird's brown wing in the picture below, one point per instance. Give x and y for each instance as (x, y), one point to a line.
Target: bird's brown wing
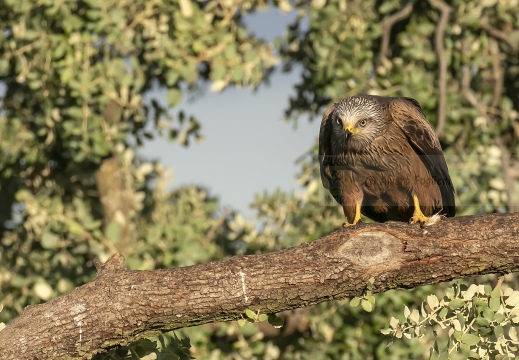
(325, 145)
(408, 116)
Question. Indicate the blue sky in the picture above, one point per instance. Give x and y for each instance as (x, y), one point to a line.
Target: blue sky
(247, 147)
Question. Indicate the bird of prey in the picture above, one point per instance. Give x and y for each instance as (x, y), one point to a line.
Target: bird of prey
(380, 157)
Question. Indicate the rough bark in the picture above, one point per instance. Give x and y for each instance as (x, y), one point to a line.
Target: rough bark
(120, 305)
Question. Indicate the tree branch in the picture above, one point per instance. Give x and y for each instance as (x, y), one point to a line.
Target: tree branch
(497, 73)
(442, 61)
(505, 155)
(120, 305)
(387, 25)
(498, 34)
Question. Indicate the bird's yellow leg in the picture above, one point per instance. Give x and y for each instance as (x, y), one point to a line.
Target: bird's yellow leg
(418, 216)
(356, 219)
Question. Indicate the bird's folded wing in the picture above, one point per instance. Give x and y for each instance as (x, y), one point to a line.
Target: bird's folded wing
(325, 153)
(409, 117)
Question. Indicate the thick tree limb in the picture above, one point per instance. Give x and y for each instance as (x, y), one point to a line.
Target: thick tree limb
(120, 305)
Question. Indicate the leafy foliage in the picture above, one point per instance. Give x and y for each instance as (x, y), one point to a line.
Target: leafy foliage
(80, 80)
(367, 300)
(161, 348)
(79, 98)
(479, 321)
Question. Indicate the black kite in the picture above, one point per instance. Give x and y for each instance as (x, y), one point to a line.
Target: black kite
(379, 156)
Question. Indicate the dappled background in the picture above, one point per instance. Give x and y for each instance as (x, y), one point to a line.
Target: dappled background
(84, 85)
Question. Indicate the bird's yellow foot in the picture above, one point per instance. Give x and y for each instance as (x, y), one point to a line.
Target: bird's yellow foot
(418, 216)
(356, 219)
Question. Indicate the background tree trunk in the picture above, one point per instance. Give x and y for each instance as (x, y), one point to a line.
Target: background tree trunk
(115, 187)
(121, 306)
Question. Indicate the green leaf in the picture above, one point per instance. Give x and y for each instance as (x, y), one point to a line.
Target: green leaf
(367, 305)
(355, 302)
(49, 240)
(496, 293)
(230, 52)
(407, 312)
(174, 96)
(478, 302)
(251, 314)
(393, 322)
(498, 318)
(457, 335)
(237, 74)
(488, 289)
(74, 227)
(482, 322)
(484, 331)
(494, 304)
(432, 301)
(498, 330)
(443, 313)
(262, 317)
(461, 319)
(218, 72)
(386, 7)
(456, 304)
(470, 339)
(242, 322)
(415, 316)
(116, 15)
(171, 77)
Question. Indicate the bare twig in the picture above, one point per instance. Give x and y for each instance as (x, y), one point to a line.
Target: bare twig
(20, 51)
(498, 34)
(497, 73)
(442, 61)
(387, 24)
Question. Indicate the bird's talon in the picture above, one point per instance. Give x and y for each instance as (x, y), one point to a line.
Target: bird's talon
(418, 216)
(422, 219)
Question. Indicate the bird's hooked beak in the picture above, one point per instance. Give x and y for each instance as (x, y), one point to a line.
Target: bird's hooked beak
(349, 131)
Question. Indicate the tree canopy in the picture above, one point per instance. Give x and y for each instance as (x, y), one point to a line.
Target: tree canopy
(79, 80)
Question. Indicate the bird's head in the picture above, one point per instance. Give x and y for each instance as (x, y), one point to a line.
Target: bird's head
(357, 121)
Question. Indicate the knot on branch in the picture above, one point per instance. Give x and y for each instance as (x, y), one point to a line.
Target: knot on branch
(371, 248)
(114, 263)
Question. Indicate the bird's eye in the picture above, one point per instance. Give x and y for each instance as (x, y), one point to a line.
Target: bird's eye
(338, 121)
(363, 122)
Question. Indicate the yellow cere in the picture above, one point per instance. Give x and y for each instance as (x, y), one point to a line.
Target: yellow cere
(351, 129)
